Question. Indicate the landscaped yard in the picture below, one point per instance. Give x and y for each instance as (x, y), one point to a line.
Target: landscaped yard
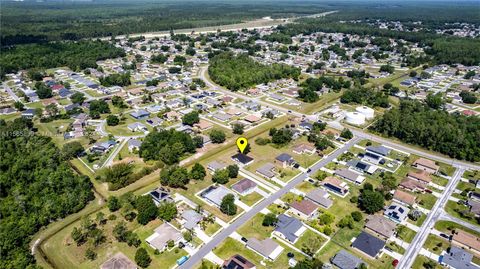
(426, 200)
(454, 209)
(251, 199)
(254, 228)
(405, 233)
(436, 244)
(421, 260)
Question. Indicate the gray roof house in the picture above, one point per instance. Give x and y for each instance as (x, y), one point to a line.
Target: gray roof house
(459, 259)
(320, 197)
(379, 150)
(244, 186)
(345, 260)
(268, 248)
(349, 175)
(381, 226)
(267, 170)
(119, 261)
(368, 244)
(215, 195)
(214, 166)
(134, 144)
(289, 228)
(191, 218)
(162, 234)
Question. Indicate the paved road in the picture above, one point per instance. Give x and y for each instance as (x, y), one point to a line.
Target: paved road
(445, 216)
(11, 93)
(420, 238)
(197, 257)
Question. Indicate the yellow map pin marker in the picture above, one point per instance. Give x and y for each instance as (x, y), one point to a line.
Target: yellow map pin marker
(242, 143)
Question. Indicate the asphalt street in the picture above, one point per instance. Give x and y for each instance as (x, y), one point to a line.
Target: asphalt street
(205, 249)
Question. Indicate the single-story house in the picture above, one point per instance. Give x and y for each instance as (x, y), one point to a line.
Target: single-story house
(467, 241)
(190, 219)
(320, 197)
(203, 125)
(238, 262)
(137, 126)
(379, 150)
(361, 167)
(404, 198)
(285, 160)
(244, 186)
(267, 248)
(345, 260)
(426, 165)
(396, 212)
(368, 244)
(162, 235)
(28, 113)
(172, 115)
(422, 176)
(458, 258)
(160, 195)
(140, 114)
(413, 185)
(380, 226)
(350, 175)
(119, 261)
(215, 195)
(336, 186)
(134, 144)
(371, 158)
(252, 118)
(267, 170)
(305, 209)
(222, 117)
(102, 147)
(242, 159)
(304, 149)
(215, 166)
(154, 122)
(289, 228)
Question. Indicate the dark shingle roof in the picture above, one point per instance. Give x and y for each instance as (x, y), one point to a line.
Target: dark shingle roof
(368, 244)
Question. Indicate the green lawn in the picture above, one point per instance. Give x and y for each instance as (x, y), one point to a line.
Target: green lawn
(454, 209)
(436, 244)
(448, 226)
(251, 199)
(439, 180)
(426, 200)
(405, 233)
(419, 221)
(212, 228)
(397, 248)
(421, 260)
(306, 237)
(305, 187)
(472, 175)
(254, 228)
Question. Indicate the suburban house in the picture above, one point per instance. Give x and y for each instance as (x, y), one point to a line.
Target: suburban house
(396, 212)
(190, 219)
(267, 247)
(267, 170)
(102, 147)
(361, 167)
(160, 195)
(305, 209)
(421, 176)
(380, 226)
(285, 160)
(134, 144)
(350, 175)
(137, 126)
(320, 197)
(426, 165)
(467, 241)
(368, 244)
(404, 198)
(413, 185)
(379, 150)
(214, 195)
(458, 258)
(242, 159)
(119, 261)
(474, 206)
(215, 166)
(289, 228)
(304, 148)
(244, 186)
(336, 186)
(238, 262)
(203, 125)
(345, 260)
(28, 113)
(154, 122)
(162, 235)
(140, 114)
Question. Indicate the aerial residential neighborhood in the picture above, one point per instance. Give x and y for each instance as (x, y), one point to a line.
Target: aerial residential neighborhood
(298, 134)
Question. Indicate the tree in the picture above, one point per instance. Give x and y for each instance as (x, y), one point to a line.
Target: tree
(413, 73)
(113, 204)
(387, 68)
(198, 172)
(217, 136)
(221, 176)
(191, 118)
(117, 101)
(167, 211)
(371, 201)
(238, 128)
(78, 236)
(346, 133)
(187, 235)
(142, 258)
(326, 218)
(19, 106)
(77, 98)
(228, 205)
(120, 232)
(357, 216)
(232, 170)
(90, 254)
(98, 107)
(269, 219)
(281, 136)
(190, 51)
(112, 120)
(146, 208)
(52, 110)
(72, 150)
(468, 97)
(312, 244)
(435, 101)
(175, 176)
(346, 221)
(42, 90)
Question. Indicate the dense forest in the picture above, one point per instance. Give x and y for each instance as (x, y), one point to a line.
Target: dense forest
(242, 72)
(455, 135)
(29, 22)
(37, 186)
(76, 55)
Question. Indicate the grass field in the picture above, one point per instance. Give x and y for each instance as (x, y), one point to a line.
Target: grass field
(451, 207)
(406, 234)
(421, 261)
